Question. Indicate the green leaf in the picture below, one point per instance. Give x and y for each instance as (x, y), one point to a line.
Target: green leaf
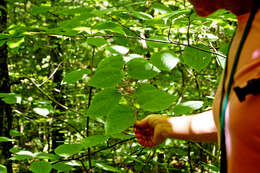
(187, 107)
(141, 15)
(98, 41)
(62, 167)
(161, 8)
(140, 68)
(67, 150)
(164, 60)
(103, 102)
(153, 99)
(119, 119)
(2, 167)
(117, 49)
(116, 62)
(40, 10)
(106, 78)
(5, 139)
(195, 58)
(40, 167)
(211, 167)
(11, 98)
(15, 133)
(42, 155)
(158, 41)
(74, 76)
(107, 167)
(23, 155)
(94, 140)
(110, 26)
(16, 43)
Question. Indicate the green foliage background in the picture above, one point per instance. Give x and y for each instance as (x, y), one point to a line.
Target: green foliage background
(83, 71)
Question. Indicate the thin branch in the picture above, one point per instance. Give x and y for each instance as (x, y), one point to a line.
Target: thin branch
(52, 74)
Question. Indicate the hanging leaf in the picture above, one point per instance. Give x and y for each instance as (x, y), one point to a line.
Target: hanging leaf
(117, 49)
(67, 150)
(116, 62)
(153, 99)
(40, 167)
(187, 107)
(15, 133)
(94, 140)
(119, 119)
(195, 58)
(103, 102)
(161, 8)
(157, 41)
(22, 155)
(164, 60)
(74, 76)
(140, 69)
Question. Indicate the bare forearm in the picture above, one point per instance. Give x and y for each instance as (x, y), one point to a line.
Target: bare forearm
(199, 127)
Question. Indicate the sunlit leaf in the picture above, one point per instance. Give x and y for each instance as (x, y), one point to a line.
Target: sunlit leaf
(187, 107)
(153, 99)
(164, 60)
(11, 98)
(67, 150)
(5, 139)
(2, 167)
(98, 41)
(197, 59)
(140, 68)
(75, 76)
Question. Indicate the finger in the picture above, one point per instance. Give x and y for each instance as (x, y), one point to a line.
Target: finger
(141, 124)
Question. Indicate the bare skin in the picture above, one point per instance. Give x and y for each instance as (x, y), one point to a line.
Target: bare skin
(155, 128)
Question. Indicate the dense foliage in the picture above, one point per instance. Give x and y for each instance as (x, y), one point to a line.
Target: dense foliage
(83, 71)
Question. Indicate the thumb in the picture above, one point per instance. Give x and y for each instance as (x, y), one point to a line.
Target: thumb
(142, 124)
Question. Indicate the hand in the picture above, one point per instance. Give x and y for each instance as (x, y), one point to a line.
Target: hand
(152, 130)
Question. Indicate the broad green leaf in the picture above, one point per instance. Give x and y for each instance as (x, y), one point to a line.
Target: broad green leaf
(161, 8)
(98, 41)
(15, 133)
(109, 26)
(164, 60)
(187, 107)
(11, 98)
(67, 150)
(22, 155)
(153, 99)
(5, 139)
(195, 58)
(107, 167)
(94, 140)
(103, 102)
(119, 119)
(140, 68)
(106, 78)
(42, 155)
(74, 76)
(62, 167)
(116, 62)
(2, 167)
(40, 167)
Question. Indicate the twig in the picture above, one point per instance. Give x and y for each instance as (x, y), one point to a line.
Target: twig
(52, 74)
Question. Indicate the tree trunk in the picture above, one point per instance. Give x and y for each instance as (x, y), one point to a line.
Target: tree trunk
(5, 109)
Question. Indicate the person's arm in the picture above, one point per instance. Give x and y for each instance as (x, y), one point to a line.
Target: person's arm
(155, 128)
